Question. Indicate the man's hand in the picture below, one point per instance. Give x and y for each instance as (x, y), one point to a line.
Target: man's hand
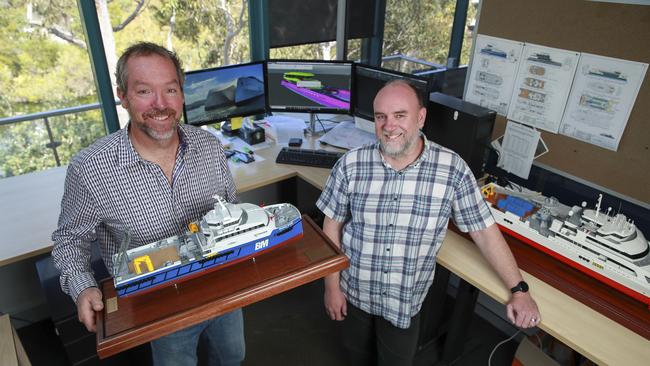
(522, 310)
(335, 304)
(88, 302)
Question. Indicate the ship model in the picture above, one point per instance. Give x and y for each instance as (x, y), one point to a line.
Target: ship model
(228, 233)
(603, 245)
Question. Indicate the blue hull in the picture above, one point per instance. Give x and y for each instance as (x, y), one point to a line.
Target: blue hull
(176, 273)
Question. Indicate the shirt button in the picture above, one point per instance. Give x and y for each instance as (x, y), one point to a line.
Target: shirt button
(394, 198)
(388, 249)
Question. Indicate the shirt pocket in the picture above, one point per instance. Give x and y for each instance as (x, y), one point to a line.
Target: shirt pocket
(428, 214)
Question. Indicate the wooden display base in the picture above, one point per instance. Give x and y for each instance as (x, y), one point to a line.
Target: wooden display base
(130, 321)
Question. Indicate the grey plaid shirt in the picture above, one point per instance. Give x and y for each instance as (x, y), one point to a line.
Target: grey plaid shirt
(109, 186)
(395, 222)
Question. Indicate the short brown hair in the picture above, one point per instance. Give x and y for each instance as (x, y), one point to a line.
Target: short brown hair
(145, 49)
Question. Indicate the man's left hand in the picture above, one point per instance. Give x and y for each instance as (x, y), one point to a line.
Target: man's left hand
(522, 310)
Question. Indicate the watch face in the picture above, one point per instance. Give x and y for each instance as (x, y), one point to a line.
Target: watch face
(521, 286)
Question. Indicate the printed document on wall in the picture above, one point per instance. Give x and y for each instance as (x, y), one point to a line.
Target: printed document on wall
(493, 71)
(601, 99)
(542, 86)
(518, 150)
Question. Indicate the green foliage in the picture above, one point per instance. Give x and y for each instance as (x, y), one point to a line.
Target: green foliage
(38, 74)
(420, 29)
(200, 30)
(23, 145)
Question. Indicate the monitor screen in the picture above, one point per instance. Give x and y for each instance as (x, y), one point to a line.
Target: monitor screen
(450, 81)
(309, 86)
(367, 82)
(215, 95)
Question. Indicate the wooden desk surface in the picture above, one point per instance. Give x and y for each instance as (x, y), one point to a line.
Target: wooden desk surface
(583, 329)
(145, 317)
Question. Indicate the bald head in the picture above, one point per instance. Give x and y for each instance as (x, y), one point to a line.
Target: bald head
(409, 88)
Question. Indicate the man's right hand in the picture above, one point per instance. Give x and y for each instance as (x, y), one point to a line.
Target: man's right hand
(88, 302)
(335, 304)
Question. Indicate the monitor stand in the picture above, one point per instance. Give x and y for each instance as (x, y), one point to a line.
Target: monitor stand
(312, 125)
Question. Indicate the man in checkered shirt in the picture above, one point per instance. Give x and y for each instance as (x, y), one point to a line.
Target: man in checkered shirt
(153, 177)
(387, 205)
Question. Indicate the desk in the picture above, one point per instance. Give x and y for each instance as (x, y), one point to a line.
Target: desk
(29, 210)
(583, 329)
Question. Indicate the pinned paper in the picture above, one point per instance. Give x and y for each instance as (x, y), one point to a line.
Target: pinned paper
(518, 150)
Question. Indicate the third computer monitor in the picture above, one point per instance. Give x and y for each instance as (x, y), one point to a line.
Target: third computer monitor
(309, 86)
(367, 82)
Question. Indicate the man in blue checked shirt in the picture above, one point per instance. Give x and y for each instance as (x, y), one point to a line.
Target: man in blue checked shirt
(387, 206)
(153, 176)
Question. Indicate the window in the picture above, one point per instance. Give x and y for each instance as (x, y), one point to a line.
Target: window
(44, 67)
(420, 30)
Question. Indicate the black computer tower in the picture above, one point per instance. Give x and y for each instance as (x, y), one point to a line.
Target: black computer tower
(461, 126)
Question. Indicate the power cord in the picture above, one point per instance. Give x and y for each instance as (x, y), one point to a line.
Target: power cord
(539, 341)
(500, 344)
(321, 122)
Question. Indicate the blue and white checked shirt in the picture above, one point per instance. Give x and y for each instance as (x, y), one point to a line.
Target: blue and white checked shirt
(395, 222)
(109, 186)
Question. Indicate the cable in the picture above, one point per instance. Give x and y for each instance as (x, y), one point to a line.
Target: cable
(321, 122)
(499, 345)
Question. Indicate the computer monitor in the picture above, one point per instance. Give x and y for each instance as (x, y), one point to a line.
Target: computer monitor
(218, 94)
(309, 86)
(450, 81)
(367, 82)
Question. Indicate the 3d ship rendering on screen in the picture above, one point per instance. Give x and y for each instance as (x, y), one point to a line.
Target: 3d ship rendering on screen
(225, 234)
(304, 84)
(238, 92)
(605, 246)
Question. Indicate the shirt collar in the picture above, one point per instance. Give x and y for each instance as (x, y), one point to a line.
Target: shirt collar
(128, 156)
(423, 156)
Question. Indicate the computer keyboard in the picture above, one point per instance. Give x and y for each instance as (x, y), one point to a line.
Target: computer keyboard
(317, 158)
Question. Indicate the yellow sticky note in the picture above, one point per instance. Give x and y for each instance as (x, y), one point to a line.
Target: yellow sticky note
(236, 122)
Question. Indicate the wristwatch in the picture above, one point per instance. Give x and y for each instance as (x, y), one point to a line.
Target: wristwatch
(520, 287)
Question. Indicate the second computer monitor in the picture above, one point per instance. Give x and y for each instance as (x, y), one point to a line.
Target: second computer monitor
(367, 82)
(214, 95)
(309, 86)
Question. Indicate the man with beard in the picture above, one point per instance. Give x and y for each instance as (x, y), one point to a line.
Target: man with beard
(387, 205)
(153, 177)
